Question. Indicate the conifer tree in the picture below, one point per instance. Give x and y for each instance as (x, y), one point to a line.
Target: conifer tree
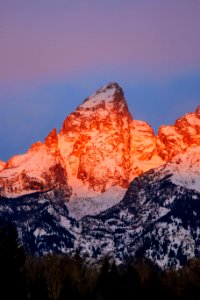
(12, 259)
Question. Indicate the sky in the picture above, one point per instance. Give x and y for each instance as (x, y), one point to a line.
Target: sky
(55, 53)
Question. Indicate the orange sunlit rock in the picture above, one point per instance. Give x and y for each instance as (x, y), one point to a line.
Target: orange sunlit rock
(98, 147)
(175, 139)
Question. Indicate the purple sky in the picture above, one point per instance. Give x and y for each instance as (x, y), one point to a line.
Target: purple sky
(54, 53)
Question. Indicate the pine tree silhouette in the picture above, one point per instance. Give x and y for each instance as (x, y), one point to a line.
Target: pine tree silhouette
(12, 259)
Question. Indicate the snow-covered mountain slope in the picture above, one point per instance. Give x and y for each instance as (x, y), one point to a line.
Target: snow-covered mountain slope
(96, 203)
(185, 169)
(158, 217)
(44, 226)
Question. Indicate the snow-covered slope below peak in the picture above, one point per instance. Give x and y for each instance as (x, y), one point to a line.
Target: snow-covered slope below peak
(43, 224)
(185, 169)
(157, 218)
(2, 165)
(80, 207)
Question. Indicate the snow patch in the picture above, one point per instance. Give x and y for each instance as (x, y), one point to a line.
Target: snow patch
(82, 206)
(39, 232)
(185, 169)
(103, 94)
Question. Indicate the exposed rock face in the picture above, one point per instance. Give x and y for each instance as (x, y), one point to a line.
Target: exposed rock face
(143, 140)
(177, 138)
(98, 135)
(143, 149)
(40, 169)
(51, 143)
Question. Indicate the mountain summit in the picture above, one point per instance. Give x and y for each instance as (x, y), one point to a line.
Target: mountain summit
(95, 140)
(110, 93)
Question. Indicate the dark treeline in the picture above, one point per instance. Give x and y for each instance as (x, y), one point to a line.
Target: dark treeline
(58, 277)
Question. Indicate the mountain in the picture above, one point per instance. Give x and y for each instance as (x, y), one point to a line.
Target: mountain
(177, 138)
(91, 152)
(106, 185)
(95, 140)
(158, 217)
(98, 147)
(44, 226)
(40, 169)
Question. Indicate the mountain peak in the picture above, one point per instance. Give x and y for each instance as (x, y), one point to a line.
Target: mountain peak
(52, 139)
(51, 142)
(111, 86)
(98, 137)
(106, 94)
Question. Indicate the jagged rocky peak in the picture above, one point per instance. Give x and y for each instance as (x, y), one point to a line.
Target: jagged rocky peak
(52, 139)
(51, 142)
(108, 99)
(41, 169)
(177, 138)
(95, 139)
(110, 93)
(35, 147)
